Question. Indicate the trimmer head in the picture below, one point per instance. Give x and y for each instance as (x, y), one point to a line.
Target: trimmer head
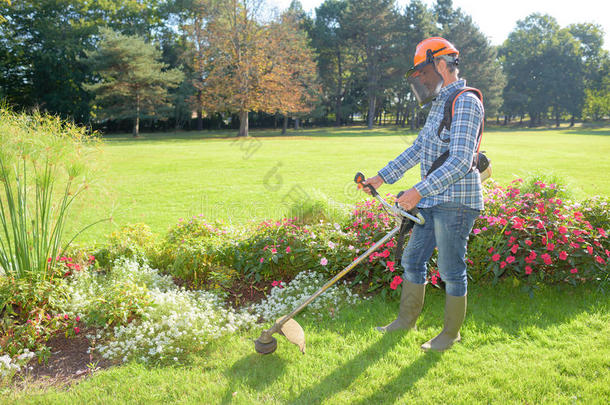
(266, 343)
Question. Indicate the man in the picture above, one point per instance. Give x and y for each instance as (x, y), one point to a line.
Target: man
(449, 198)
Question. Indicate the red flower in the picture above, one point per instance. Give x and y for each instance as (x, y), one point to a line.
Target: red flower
(495, 257)
(550, 246)
(574, 245)
(434, 279)
(514, 249)
(528, 242)
(549, 234)
(563, 255)
(601, 232)
(590, 250)
(528, 270)
(395, 282)
(491, 249)
(600, 260)
(66, 317)
(77, 318)
(510, 259)
(563, 229)
(547, 258)
(502, 264)
(76, 330)
(390, 265)
(574, 271)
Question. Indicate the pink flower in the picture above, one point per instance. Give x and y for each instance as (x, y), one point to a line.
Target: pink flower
(502, 264)
(323, 261)
(76, 330)
(550, 246)
(273, 250)
(490, 250)
(547, 258)
(574, 245)
(288, 249)
(390, 265)
(600, 260)
(262, 259)
(574, 271)
(563, 255)
(563, 229)
(528, 242)
(528, 270)
(590, 250)
(510, 259)
(495, 257)
(66, 317)
(476, 231)
(514, 249)
(601, 232)
(77, 318)
(549, 234)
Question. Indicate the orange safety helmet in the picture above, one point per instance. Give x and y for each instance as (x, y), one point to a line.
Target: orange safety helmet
(427, 49)
(424, 79)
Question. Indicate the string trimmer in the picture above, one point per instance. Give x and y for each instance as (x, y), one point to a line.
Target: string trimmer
(286, 325)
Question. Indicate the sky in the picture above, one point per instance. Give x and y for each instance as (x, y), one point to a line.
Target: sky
(497, 19)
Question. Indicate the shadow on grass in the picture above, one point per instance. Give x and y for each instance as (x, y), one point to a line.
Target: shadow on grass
(255, 371)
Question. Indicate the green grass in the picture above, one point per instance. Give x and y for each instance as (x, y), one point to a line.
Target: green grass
(160, 178)
(552, 348)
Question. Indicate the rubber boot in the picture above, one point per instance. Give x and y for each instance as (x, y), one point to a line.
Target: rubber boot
(411, 303)
(455, 312)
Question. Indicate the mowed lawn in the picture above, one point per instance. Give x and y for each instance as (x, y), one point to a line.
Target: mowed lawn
(160, 178)
(552, 348)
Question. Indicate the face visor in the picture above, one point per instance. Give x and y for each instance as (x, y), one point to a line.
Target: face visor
(425, 82)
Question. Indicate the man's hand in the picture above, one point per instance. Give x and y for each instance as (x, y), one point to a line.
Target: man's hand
(409, 199)
(376, 182)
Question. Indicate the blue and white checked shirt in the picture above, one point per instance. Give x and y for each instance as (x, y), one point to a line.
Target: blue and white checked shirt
(452, 181)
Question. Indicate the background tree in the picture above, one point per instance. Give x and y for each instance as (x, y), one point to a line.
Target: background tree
(249, 66)
(478, 58)
(133, 83)
(371, 27)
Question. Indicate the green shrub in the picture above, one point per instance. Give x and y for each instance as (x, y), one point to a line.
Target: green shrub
(194, 248)
(131, 241)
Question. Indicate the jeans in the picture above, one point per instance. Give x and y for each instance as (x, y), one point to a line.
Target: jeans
(447, 227)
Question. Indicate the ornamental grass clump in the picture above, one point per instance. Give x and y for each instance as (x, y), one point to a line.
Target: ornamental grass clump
(538, 237)
(43, 170)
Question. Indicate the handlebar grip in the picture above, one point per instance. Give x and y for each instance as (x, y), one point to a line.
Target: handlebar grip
(359, 179)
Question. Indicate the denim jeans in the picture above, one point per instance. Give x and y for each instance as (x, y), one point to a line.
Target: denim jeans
(447, 227)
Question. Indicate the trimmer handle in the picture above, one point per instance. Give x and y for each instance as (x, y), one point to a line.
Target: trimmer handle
(359, 179)
(413, 211)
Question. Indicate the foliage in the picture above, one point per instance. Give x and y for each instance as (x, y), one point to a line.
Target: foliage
(30, 313)
(282, 299)
(132, 81)
(114, 297)
(194, 251)
(160, 324)
(538, 238)
(131, 241)
(318, 207)
(44, 165)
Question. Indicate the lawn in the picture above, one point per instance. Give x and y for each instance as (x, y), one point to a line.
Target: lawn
(551, 348)
(160, 178)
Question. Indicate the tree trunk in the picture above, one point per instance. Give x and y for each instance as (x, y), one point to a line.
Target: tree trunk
(557, 119)
(243, 123)
(199, 110)
(285, 125)
(296, 123)
(572, 119)
(136, 124)
(339, 91)
(371, 115)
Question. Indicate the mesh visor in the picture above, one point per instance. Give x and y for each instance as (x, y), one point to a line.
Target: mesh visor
(425, 82)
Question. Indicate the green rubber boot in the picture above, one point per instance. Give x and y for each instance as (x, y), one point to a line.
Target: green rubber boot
(455, 312)
(411, 303)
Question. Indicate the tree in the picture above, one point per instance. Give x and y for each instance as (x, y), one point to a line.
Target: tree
(371, 27)
(250, 66)
(132, 82)
(478, 58)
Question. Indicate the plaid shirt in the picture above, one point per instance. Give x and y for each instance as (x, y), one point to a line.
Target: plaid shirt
(453, 181)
